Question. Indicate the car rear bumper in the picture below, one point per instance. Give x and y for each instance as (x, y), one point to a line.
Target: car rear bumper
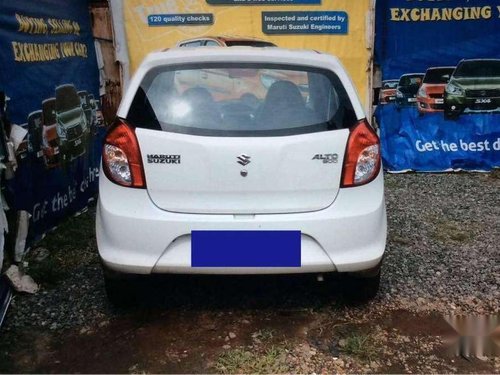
(135, 236)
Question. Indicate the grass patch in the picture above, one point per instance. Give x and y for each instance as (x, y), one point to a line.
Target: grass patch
(390, 183)
(264, 334)
(445, 230)
(240, 361)
(400, 240)
(360, 345)
(495, 174)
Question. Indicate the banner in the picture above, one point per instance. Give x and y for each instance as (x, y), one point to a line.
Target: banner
(439, 104)
(338, 27)
(50, 74)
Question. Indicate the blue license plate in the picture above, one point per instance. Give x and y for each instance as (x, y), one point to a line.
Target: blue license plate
(237, 248)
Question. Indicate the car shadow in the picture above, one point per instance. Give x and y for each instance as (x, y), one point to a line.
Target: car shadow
(229, 292)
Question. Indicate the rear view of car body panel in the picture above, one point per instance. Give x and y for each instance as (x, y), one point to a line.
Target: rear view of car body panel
(281, 175)
(135, 236)
(285, 185)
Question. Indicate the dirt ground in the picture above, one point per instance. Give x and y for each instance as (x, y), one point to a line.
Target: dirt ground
(273, 324)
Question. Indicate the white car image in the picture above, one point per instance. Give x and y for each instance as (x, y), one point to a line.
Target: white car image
(240, 174)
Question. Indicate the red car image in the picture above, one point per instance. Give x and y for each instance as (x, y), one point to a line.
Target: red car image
(430, 96)
(388, 91)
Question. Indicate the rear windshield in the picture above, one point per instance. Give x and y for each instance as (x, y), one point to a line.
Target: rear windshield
(389, 84)
(436, 76)
(241, 100)
(478, 69)
(411, 80)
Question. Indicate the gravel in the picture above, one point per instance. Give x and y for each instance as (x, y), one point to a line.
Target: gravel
(442, 255)
(443, 248)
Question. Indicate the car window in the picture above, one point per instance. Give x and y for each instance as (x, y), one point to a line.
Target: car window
(478, 69)
(49, 111)
(436, 76)
(390, 85)
(211, 43)
(66, 98)
(244, 99)
(410, 80)
(195, 43)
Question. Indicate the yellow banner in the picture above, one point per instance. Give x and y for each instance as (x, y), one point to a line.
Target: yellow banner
(247, 20)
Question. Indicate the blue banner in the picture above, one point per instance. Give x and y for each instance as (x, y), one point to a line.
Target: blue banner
(439, 104)
(49, 72)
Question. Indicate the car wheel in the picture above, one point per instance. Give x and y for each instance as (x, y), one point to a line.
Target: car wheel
(361, 287)
(121, 289)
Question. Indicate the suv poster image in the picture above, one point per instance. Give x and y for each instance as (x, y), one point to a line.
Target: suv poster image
(454, 122)
(474, 87)
(71, 122)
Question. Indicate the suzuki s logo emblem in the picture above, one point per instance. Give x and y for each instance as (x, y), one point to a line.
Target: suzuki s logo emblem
(243, 159)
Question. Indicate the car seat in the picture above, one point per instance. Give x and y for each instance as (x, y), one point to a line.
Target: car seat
(283, 107)
(203, 109)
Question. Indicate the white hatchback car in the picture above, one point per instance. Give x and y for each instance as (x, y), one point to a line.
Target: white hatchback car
(241, 161)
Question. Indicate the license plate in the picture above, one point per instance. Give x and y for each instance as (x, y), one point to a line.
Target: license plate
(412, 100)
(439, 101)
(392, 98)
(483, 101)
(39, 154)
(245, 248)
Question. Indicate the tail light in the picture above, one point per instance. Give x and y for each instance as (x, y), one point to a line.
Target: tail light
(121, 157)
(362, 157)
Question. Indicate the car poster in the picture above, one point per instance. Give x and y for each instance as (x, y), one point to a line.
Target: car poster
(49, 72)
(439, 101)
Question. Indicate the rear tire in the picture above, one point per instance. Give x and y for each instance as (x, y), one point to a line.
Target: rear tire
(361, 287)
(121, 289)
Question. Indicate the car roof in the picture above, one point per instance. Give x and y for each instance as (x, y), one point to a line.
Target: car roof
(413, 74)
(474, 60)
(48, 100)
(441, 67)
(241, 54)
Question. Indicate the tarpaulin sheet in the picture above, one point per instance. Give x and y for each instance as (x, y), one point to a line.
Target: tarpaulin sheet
(413, 36)
(49, 71)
